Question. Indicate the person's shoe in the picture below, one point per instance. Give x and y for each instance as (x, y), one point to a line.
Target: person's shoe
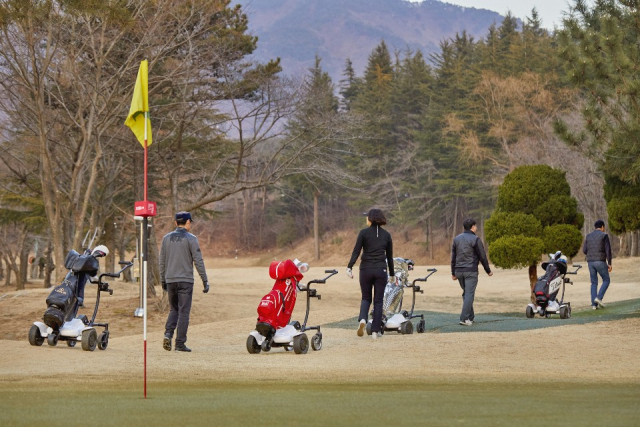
(594, 307)
(599, 302)
(363, 324)
(466, 323)
(166, 343)
(183, 348)
(376, 335)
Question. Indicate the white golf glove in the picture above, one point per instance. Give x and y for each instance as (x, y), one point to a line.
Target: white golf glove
(349, 273)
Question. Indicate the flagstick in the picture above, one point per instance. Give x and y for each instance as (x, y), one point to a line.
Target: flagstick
(145, 222)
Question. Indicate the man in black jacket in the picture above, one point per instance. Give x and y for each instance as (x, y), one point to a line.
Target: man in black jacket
(466, 252)
(597, 248)
(179, 252)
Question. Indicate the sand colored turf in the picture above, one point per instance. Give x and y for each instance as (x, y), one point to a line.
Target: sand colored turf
(505, 370)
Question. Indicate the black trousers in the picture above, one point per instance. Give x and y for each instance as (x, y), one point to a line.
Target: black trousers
(373, 279)
(180, 297)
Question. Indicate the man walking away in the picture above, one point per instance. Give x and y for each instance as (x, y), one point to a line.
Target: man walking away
(466, 252)
(597, 248)
(180, 251)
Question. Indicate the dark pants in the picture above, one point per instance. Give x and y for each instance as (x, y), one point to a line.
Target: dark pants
(468, 282)
(372, 279)
(180, 296)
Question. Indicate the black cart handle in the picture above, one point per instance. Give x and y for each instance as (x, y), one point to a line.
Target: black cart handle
(578, 267)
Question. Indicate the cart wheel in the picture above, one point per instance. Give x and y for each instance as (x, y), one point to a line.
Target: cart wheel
(288, 348)
(52, 339)
(563, 312)
(316, 342)
(569, 312)
(547, 315)
(89, 339)
(368, 328)
(103, 340)
(266, 345)
(421, 326)
(71, 343)
(301, 344)
(530, 313)
(34, 336)
(406, 328)
(252, 345)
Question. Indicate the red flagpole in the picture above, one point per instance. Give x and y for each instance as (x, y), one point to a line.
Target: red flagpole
(145, 253)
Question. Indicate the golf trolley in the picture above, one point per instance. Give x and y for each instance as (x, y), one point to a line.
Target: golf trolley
(71, 327)
(292, 336)
(548, 286)
(400, 321)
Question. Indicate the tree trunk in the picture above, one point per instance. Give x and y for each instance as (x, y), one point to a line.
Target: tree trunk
(533, 278)
(24, 264)
(34, 269)
(633, 238)
(7, 279)
(48, 265)
(624, 245)
(109, 239)
(316, 227)
(127, 275)
(430, 237)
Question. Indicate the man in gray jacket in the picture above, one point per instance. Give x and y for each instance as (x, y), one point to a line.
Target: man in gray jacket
(180, 251)
(466, 252)
(597, 248)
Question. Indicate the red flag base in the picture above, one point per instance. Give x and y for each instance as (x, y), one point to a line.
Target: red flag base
(145, 208)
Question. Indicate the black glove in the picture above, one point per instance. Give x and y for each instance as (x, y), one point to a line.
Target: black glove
(206, 287)
(164, 286)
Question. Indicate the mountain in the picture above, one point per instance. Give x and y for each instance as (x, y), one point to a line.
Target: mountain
(297, 30)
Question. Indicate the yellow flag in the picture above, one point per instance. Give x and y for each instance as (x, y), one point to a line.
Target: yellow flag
(140, 105)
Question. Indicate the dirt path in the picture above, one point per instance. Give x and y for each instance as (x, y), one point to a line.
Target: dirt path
(222, 319)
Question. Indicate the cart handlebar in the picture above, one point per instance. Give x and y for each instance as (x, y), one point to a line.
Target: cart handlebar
(578, 267)
(323, 281)
(423, 279)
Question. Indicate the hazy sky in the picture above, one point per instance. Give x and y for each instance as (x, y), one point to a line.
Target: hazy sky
(550, 11)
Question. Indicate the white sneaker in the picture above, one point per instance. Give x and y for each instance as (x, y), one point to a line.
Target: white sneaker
(593, 307)
(363, 324)
(466, 323)
(376, 335)
(599, 302)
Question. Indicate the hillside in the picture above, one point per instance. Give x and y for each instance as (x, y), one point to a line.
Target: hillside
(297, 30)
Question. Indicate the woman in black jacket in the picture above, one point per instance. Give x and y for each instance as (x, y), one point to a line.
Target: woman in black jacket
(377, 254)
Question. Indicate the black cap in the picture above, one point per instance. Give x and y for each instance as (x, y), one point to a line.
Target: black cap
(183, 216)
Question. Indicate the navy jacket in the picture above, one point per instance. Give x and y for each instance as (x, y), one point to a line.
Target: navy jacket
(597, 246)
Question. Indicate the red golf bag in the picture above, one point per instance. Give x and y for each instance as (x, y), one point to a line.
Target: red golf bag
(276, 307)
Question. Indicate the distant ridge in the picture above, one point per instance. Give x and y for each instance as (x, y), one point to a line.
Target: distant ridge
(297, 30)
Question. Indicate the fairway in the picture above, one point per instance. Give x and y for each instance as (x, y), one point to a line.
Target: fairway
(271, 403)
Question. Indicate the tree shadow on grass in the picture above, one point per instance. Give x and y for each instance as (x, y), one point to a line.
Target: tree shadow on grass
(437, 322)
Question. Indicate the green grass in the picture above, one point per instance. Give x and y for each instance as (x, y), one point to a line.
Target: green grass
(275, 404)
(510, 322)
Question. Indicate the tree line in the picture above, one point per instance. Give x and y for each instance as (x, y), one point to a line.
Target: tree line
(273, 157)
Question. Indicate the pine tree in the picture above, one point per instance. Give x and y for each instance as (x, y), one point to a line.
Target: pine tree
(599, 46)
